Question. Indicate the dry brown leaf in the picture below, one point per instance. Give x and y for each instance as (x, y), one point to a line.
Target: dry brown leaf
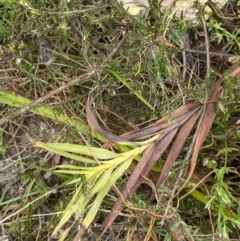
(180, 115)
(92, 122)
(176, 148)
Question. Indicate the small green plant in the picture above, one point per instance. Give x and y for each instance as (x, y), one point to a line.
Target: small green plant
(221, 198)
(221, 33)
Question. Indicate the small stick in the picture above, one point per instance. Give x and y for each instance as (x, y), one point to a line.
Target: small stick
(210, 53)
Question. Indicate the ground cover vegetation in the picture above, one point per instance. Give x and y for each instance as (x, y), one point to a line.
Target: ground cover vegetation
(116, 126)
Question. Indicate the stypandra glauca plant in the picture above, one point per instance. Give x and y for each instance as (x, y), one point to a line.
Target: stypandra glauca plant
(99, 168)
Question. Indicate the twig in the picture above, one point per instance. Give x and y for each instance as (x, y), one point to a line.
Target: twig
(184, 58)
(207, 49)
(80, 78)
(210, 53)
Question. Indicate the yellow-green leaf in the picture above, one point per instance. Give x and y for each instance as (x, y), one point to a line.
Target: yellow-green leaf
(98, 153)
(63, 153)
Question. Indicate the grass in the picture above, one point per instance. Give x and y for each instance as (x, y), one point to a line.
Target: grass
(68, 179)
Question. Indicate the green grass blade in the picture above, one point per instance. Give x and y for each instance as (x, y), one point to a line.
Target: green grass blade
(124, 82)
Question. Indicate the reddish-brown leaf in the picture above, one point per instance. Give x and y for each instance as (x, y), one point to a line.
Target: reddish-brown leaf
(179, 116)
(176, 148)
(92, 122)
